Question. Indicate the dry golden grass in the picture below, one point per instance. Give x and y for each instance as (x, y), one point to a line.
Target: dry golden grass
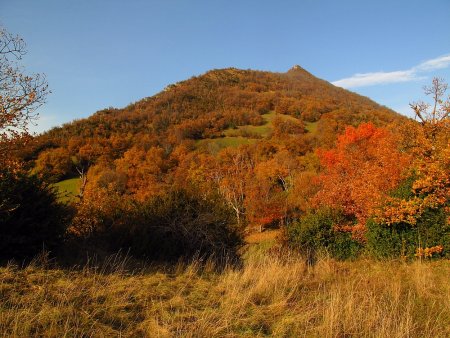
(265, 236)
(268, 296)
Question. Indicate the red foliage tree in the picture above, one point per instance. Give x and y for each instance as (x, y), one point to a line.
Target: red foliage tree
(358, 173)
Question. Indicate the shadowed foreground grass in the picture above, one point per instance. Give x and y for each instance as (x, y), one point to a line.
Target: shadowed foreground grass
(268, 296)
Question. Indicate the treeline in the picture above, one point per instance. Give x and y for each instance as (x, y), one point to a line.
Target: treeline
(381, 192)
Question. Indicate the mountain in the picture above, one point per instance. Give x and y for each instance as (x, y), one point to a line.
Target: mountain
(221, 108)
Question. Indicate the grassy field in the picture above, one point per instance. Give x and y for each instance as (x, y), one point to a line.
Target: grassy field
(311, 127)
(68, 189)
(249, 134)
(263, 130)
(253, 131)
(215, 145)
(275, 296)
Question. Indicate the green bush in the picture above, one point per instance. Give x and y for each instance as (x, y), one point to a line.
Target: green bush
(31, 218)
(315, 232)
(401, 239)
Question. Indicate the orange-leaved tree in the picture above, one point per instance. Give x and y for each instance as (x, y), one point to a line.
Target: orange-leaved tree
(20, 94)
(358, 173)
(266, 193)
(431, 151)
(144, 171)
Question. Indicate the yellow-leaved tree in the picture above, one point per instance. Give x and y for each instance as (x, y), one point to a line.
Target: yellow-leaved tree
(431, 189)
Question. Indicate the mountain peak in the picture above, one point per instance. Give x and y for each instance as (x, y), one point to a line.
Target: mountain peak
(296, 67)
(299, 72)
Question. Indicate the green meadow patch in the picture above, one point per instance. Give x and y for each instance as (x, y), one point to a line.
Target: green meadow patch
(213, 146)
(311, 127)
(68, 189)
(234, 137)
(261, 131)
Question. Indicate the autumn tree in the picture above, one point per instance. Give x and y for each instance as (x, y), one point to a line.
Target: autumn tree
(232, 173)
(53, 164)
(265, 201)
(20, 94)
(358, 173)
(302, 190)
(431, 151)
(144, 170)
(31, 218)
(285, 127)
(440, 108)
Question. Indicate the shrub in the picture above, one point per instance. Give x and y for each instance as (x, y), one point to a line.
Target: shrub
(402, 239)
(169, 227)
(315, 232)
(31, 218)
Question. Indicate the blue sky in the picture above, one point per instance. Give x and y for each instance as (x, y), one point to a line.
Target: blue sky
(98, 54)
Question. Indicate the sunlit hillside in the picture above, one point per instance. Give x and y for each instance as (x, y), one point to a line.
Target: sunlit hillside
(221, 108)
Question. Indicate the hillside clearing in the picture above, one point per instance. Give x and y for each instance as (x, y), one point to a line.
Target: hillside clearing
(247, 134)
(261, 131)
(68, 189)
(311, 127)
(215, 145)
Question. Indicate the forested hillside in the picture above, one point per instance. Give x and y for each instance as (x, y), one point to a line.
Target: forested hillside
(229, 107)
(207, 160)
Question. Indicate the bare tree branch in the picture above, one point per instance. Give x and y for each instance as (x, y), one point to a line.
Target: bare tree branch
(441, 108)
(20, 94)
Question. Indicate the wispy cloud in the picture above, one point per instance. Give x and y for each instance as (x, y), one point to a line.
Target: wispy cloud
(377, 78)
(438, 63)
(370, 79)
